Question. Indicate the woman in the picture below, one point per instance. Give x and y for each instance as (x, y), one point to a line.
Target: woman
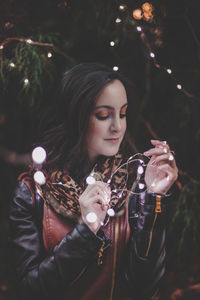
(59, 252)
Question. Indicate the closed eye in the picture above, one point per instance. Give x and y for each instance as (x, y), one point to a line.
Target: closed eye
(102, 116)
(122, 116)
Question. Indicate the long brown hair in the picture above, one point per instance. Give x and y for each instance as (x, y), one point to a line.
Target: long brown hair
(65, 125)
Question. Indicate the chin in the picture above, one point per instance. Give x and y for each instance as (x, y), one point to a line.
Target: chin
(110, 153)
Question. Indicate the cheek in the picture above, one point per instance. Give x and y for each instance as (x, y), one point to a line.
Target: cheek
(96, 129)
(124, 127)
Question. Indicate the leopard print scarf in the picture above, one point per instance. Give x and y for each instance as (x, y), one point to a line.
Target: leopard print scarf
(62, 192)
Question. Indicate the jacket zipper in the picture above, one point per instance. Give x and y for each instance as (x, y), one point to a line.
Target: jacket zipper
(157, 211)
(79, 275)
(100, 254)
(114, 257)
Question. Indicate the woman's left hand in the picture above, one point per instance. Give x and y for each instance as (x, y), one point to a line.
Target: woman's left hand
(161, 171)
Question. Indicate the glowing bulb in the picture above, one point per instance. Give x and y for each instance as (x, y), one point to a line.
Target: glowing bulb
(115, 68)
(39, 155)
(147, 7)
(111, 212)
(1, 47)
(140, 170)
(39, 177)
(26, 81)
(137, 14)
(12, 65)
(179, 86)
(122, 7)
(112, 43)
(152, 54)
(29, 41)
(141, 186)
(139, 28)
(91, 217)
(148, 15)
(90, 180)
(120, 195)
(169, 71)
(118, 20)
(49, 54)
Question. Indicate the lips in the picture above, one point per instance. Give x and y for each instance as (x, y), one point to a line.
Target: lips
(114, 140)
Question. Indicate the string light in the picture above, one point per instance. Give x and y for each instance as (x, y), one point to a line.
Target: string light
(115, 68)
(111, 212)
(147, 7)
(26, 81)
(140, 170)
(157, 65)
(12, 65)
(39, 155)
(139, 28)
(112, 43)
(122, 7)
(49, 54)
(152, 55)
(1, 47)
(29, 41)
(148, 16)
(141, 186)
(137, 14)
(39, 177)
(118, 20)
(91, 217)
(90, 180)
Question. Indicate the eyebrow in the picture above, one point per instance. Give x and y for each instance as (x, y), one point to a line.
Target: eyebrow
(109, 107)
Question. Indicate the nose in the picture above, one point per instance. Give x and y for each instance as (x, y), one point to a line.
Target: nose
(116, 124)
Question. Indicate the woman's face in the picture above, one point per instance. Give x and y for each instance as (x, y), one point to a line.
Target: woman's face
(107, 123)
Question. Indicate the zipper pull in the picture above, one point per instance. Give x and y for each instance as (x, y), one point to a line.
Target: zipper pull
(100, 254)
(158, 204)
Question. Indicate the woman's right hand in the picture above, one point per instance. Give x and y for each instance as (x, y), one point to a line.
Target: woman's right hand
(95, 199)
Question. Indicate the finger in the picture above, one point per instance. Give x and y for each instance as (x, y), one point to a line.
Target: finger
(168, 157)
(155, 151)
(158, 142)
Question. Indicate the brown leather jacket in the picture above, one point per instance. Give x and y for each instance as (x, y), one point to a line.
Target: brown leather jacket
(58, 259)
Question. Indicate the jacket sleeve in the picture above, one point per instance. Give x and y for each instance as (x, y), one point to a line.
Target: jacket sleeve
(145, 265)
(40, 276)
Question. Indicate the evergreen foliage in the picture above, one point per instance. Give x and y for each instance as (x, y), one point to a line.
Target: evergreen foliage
(79, 31)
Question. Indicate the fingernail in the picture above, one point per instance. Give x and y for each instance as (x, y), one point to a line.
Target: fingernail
(146, 153)
(164, 150)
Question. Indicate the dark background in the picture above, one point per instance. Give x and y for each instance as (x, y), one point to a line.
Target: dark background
(78, 31)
